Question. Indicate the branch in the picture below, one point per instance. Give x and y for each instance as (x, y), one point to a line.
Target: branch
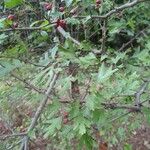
(3, 137)
(86, 91)
(104, 36)
(117, 9)
(67, 36)
(12, 146)
(114, 119)
(39, 111)
(116, 106)
(22, 60)
(24, 29)
(132, 40)
(140, 92)
(30, 86)
(138, 103)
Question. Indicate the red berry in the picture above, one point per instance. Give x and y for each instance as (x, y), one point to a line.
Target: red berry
(65, 120)
(61, 9)
(61, 23)
(98, 1)
(15, 25)
(48, 6)
(11, 17)
(65, 114)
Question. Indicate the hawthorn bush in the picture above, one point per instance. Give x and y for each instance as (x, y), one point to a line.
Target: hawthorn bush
(73, 74)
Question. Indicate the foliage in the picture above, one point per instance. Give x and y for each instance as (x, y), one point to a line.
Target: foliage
(102, 62)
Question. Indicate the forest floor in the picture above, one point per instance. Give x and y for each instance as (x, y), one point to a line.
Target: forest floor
(139, 139)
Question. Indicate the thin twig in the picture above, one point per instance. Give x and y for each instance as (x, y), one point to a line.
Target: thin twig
(132, 40)
(140, 92)
(116, 10)
(103, 39)
(3, 137)
(31, 86)
(24, 29)
(63, 32)
(86, 91)
(114, 119)
(12, 146)
(116, 106)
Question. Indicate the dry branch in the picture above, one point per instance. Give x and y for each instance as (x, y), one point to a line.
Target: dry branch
(23, 29)
(138, 103)
(30, 86)
(116, 10)
(3, 137)
(139, 93)
(133, 39)
(39, 111)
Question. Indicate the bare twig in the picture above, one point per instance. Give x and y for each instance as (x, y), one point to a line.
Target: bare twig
(116, 106)
(114, 119)
(116, 10)
(14, 145)
(3, 137)
(38, 112)
(138, 103)
(132, 40)
(103, 39)
(86, 91)
(140, 92)
(63, 32)
(24, 29)
(30, 86)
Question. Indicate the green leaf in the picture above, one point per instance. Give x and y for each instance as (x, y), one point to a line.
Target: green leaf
(3, 37)
(82, 129)
(127, 147)
(87, 140)
(72, 21)
(86, 19)
(147, 114)
(54, 51)
(55, 124)
(2, 22)
(87, 60)
(12, 3)
(68, 2)
(105, 72)
(121, 132)
(6, 67)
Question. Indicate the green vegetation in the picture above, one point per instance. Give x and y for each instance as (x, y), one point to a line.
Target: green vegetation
(73, 74)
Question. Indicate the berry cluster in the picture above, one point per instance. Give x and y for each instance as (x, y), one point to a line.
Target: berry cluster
(65, 116)
(98, 3)
(48, 6)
